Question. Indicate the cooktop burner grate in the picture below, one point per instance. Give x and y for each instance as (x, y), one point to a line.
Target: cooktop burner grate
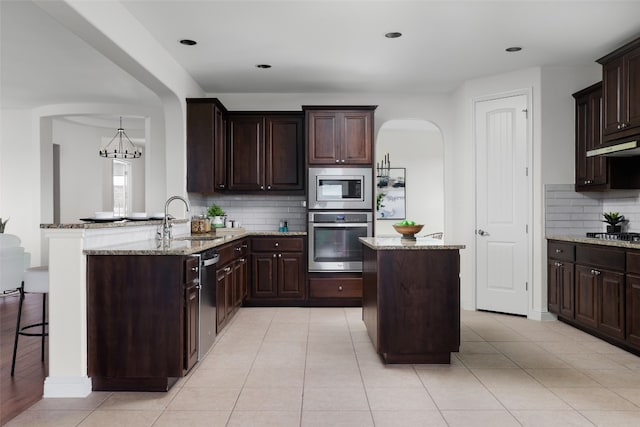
(625, 237)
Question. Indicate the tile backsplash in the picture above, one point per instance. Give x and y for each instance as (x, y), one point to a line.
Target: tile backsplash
(256, 212)
(572, 213)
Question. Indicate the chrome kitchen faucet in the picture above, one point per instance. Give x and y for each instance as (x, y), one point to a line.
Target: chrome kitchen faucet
(166, 224)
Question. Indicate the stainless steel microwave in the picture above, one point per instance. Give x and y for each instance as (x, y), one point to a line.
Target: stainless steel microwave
(340, 188)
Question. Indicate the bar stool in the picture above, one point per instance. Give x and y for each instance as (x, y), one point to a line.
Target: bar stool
(36, 280)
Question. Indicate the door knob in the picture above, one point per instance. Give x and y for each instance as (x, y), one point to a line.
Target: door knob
(482, 232)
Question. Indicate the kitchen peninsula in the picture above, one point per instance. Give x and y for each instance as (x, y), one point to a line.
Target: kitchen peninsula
(70, 246)
(411, 298)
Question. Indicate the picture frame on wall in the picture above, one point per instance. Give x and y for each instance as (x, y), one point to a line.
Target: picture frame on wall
(391, 194)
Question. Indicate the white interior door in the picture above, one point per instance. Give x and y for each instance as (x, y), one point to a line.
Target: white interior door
(502, 205)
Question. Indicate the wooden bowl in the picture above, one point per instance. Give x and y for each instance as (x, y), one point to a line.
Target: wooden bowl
(408, 231)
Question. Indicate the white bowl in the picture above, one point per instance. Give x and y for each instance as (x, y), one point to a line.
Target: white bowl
(103, 215)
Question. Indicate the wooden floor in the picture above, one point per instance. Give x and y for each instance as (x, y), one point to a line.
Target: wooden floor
(25, 388)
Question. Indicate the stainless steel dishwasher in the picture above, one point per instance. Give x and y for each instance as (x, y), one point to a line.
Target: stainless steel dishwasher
(207, 323)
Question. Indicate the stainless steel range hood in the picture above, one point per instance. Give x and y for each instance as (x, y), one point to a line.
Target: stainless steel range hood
(623, 149)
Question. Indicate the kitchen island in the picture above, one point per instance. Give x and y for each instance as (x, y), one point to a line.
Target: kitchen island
(411, 298)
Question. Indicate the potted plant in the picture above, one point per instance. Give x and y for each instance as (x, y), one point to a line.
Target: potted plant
(614, 219)
(217, 213)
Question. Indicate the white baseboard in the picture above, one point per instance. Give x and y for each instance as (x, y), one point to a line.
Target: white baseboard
(543, 316)
(67, 387)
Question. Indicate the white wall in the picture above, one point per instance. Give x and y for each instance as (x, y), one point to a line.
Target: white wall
(421, 152)
(20, 178)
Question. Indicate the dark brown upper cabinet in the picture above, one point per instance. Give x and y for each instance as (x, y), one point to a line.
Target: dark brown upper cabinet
(621, 92)
(591, 172)
(266, 152)
(339, 135)
(206, 145)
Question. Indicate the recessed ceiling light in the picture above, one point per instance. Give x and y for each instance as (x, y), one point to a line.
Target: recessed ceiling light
(393, 35)
(188, 42)
(513, 49)
(264, 66)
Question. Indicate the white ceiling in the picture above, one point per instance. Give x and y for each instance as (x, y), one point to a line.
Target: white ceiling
(314, 46)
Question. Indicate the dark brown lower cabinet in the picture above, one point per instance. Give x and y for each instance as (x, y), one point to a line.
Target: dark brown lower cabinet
(278, 270)
(633, 310)
(142, 325)
(231, 280)
(600, 293)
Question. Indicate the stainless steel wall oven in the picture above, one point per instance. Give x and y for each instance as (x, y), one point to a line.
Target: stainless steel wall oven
(333, 240)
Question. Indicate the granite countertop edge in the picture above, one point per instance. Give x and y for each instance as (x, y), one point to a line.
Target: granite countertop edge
(184, 245)
(395, 243)
(592, 241)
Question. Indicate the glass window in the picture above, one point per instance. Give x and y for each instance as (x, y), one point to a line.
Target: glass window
(121, 188)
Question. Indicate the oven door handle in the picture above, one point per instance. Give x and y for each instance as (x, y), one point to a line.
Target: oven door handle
(339, 224)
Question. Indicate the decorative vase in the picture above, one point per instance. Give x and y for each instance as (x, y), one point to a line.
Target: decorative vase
(614, 228)
(218, 222)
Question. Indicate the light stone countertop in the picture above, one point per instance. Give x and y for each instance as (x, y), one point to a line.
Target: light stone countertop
(185, 245)
(396, 243)
(110, 224)
(592, 241)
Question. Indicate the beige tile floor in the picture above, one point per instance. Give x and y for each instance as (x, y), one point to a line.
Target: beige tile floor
(316, 367)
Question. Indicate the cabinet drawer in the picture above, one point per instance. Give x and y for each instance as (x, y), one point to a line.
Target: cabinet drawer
(190, 269)
(608, 258)
(280, 244)
(335, 288)
(561, 251)
(633, 262)
(226, 253)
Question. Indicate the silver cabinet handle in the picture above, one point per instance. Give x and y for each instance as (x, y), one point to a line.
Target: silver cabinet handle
(558, 251)
(274, 255)
(268, 187)
(559, 264)
(337, 161)
(221, 185)
(276, 244)
(340, 288)
(262, 187)
(279, 255)
(482, 233)
(227, 269)
(342, 160)
(595, 272)
(244, 246)
(238, 249)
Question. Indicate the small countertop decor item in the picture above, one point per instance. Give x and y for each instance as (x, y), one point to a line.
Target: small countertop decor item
(614, 219)
(217, 213)
(408, 229)
(3, 224)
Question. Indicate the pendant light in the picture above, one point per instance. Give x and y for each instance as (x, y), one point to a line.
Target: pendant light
(119, 147)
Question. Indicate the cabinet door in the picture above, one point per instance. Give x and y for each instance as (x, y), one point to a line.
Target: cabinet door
(220, 151)
(611, 306)
(632, 80)
(263, 269)
(191, 305)
(566, 289)
(246, 153)
(586, 300)
(284, 153)
(200, 147)
(239, 280)
(229, 291)
(356, 141)
(553, 286)
(291, 275)
(221, 299)
(323, 135)
(612, 78)
(633, 310)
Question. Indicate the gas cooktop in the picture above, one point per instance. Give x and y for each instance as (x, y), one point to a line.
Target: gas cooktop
(624, 237)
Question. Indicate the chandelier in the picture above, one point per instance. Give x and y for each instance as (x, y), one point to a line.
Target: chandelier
(120, 146)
